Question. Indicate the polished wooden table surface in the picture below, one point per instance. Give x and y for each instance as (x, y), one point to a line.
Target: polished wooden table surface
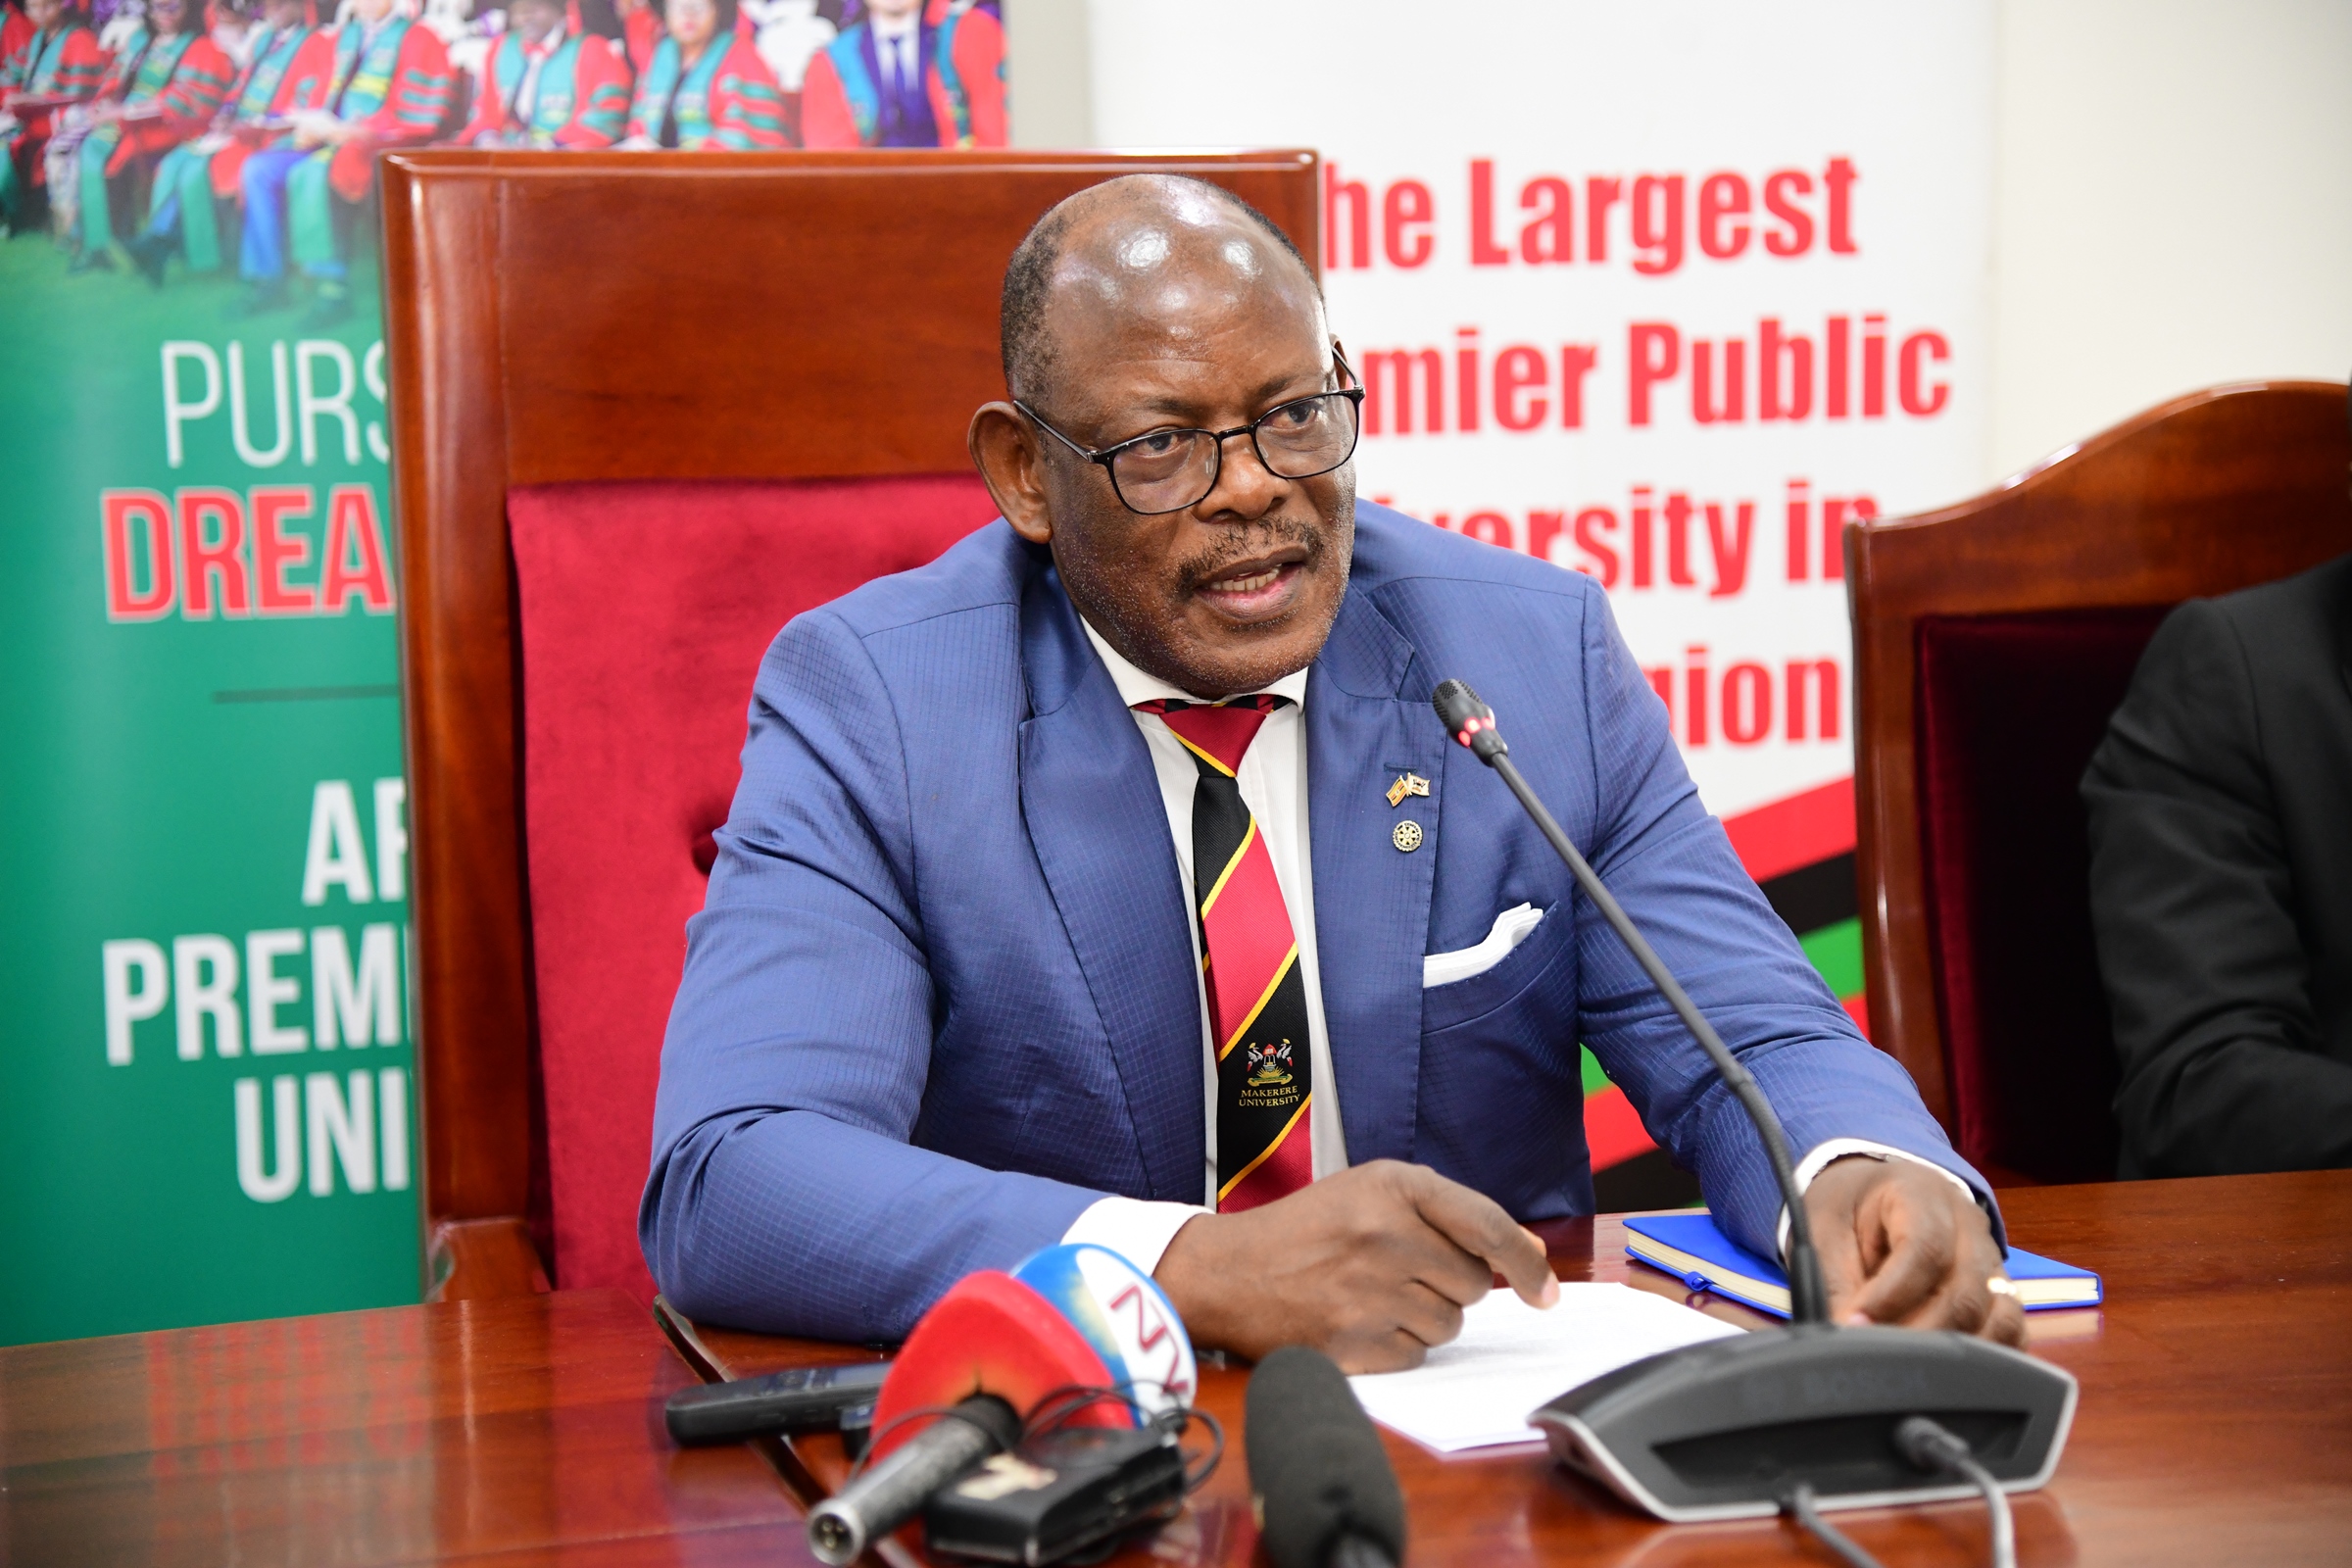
(2214, 1425)
(494, 1433)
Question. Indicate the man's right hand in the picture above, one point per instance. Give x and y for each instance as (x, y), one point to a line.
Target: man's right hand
(1372, 1266)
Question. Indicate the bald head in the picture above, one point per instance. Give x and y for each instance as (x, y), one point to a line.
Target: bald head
(1176, 255)
(1140, 316)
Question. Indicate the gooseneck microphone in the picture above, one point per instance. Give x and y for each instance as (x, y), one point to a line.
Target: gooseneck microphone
(1326, 1496)
(1472, 723)
(1784, 1418)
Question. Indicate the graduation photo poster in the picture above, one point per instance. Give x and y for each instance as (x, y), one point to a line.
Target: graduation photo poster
(207, 1081)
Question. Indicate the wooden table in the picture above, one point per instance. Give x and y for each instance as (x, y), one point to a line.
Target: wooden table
(2216, 1426)
(497, 1433)
(2216, 1422)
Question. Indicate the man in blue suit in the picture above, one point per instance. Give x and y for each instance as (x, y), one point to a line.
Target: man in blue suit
(1111, 878)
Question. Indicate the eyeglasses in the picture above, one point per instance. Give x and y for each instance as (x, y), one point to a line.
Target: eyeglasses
(1168, 470)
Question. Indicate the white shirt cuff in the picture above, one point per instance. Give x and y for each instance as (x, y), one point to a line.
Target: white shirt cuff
(1137, 1229)
(1806, 1169)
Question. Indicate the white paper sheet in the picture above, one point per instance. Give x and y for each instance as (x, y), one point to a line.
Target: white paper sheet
(1477, 1391)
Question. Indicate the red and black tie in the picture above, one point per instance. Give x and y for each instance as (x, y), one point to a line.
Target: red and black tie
(1256, 997)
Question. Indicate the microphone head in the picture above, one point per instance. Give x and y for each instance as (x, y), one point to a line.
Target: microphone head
(989, 1334)
(1456, 703)
(1124, 1315)
(1468, 719)
(1316, 1466)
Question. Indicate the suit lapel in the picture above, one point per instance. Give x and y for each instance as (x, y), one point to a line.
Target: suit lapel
(1092, 808)
(1364, 728)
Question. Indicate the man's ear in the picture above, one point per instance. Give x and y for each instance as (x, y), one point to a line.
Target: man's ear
(1006, 452)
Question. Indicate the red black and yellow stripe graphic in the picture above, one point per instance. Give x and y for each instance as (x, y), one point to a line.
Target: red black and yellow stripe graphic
(1801, 852)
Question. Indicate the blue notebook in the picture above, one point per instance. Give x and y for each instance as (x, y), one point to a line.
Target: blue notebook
(1690, 1247)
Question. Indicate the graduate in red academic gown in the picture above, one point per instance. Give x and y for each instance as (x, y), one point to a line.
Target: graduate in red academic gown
(910, 75)
(195, 176)
(379, 82)
(705, 85)
(548, 84)
(55, 61)
(640, 31)
(164, 90)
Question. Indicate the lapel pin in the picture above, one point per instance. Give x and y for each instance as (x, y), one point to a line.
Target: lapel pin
(1407, 784)
(1408, 836)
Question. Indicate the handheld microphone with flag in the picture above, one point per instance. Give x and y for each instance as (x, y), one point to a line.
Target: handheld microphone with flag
(1740, 1426)
(1326, 1495)
(1074, 1357)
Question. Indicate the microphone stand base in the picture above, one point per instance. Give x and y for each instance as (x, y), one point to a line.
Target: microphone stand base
(1726, 1429)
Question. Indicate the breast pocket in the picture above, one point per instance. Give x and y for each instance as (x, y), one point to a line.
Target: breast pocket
(1442, 1006)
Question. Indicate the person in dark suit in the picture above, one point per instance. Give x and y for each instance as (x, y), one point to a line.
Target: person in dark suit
(1110, 879)
(2221, 883)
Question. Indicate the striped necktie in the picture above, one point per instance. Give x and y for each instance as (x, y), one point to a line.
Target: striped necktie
(1250, 957)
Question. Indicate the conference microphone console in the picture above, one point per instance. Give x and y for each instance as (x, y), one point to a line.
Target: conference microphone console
(1789, 1419)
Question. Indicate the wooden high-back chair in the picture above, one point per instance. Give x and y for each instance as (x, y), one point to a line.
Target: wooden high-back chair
(648, 407)
(1992, 640)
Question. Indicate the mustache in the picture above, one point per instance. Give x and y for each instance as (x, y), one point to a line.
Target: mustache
(1255, 540)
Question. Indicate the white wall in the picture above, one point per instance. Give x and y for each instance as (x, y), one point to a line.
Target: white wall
(2172, 206)
(1049, 68)
(2173, 197)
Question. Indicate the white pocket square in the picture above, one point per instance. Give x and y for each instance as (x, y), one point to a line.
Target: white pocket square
(1511, 927)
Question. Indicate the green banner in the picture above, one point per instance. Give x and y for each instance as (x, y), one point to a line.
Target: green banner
(207, 1089)
(207, 1084)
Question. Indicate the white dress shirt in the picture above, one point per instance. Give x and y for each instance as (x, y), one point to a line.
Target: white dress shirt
(526, 96)
(1273, 785)
(894, 40)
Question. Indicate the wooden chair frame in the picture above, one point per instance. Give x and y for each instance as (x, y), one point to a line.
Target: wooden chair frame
(581, 316)
(2209, 493)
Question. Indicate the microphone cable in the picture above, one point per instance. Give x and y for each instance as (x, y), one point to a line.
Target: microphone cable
(1059, 1406)
(1799, 1505)
(1933, 1449)
(1937, 1451)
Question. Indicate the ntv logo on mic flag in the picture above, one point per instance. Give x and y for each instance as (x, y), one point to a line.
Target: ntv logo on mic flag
(1124, 1315)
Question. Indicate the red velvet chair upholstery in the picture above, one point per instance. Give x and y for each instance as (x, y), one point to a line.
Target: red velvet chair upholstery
(2003, 745)
(645, 609)
(1992, 640)
(625, 386)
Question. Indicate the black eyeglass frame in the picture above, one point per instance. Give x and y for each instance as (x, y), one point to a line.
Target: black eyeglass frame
(1106, 455)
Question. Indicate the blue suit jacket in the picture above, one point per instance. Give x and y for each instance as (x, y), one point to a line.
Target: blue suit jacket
(940, 997)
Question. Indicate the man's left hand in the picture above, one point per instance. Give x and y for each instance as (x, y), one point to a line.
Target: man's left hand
(1901, 1244)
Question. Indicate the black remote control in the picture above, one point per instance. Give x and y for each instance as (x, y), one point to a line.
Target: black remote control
(801, 1399)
